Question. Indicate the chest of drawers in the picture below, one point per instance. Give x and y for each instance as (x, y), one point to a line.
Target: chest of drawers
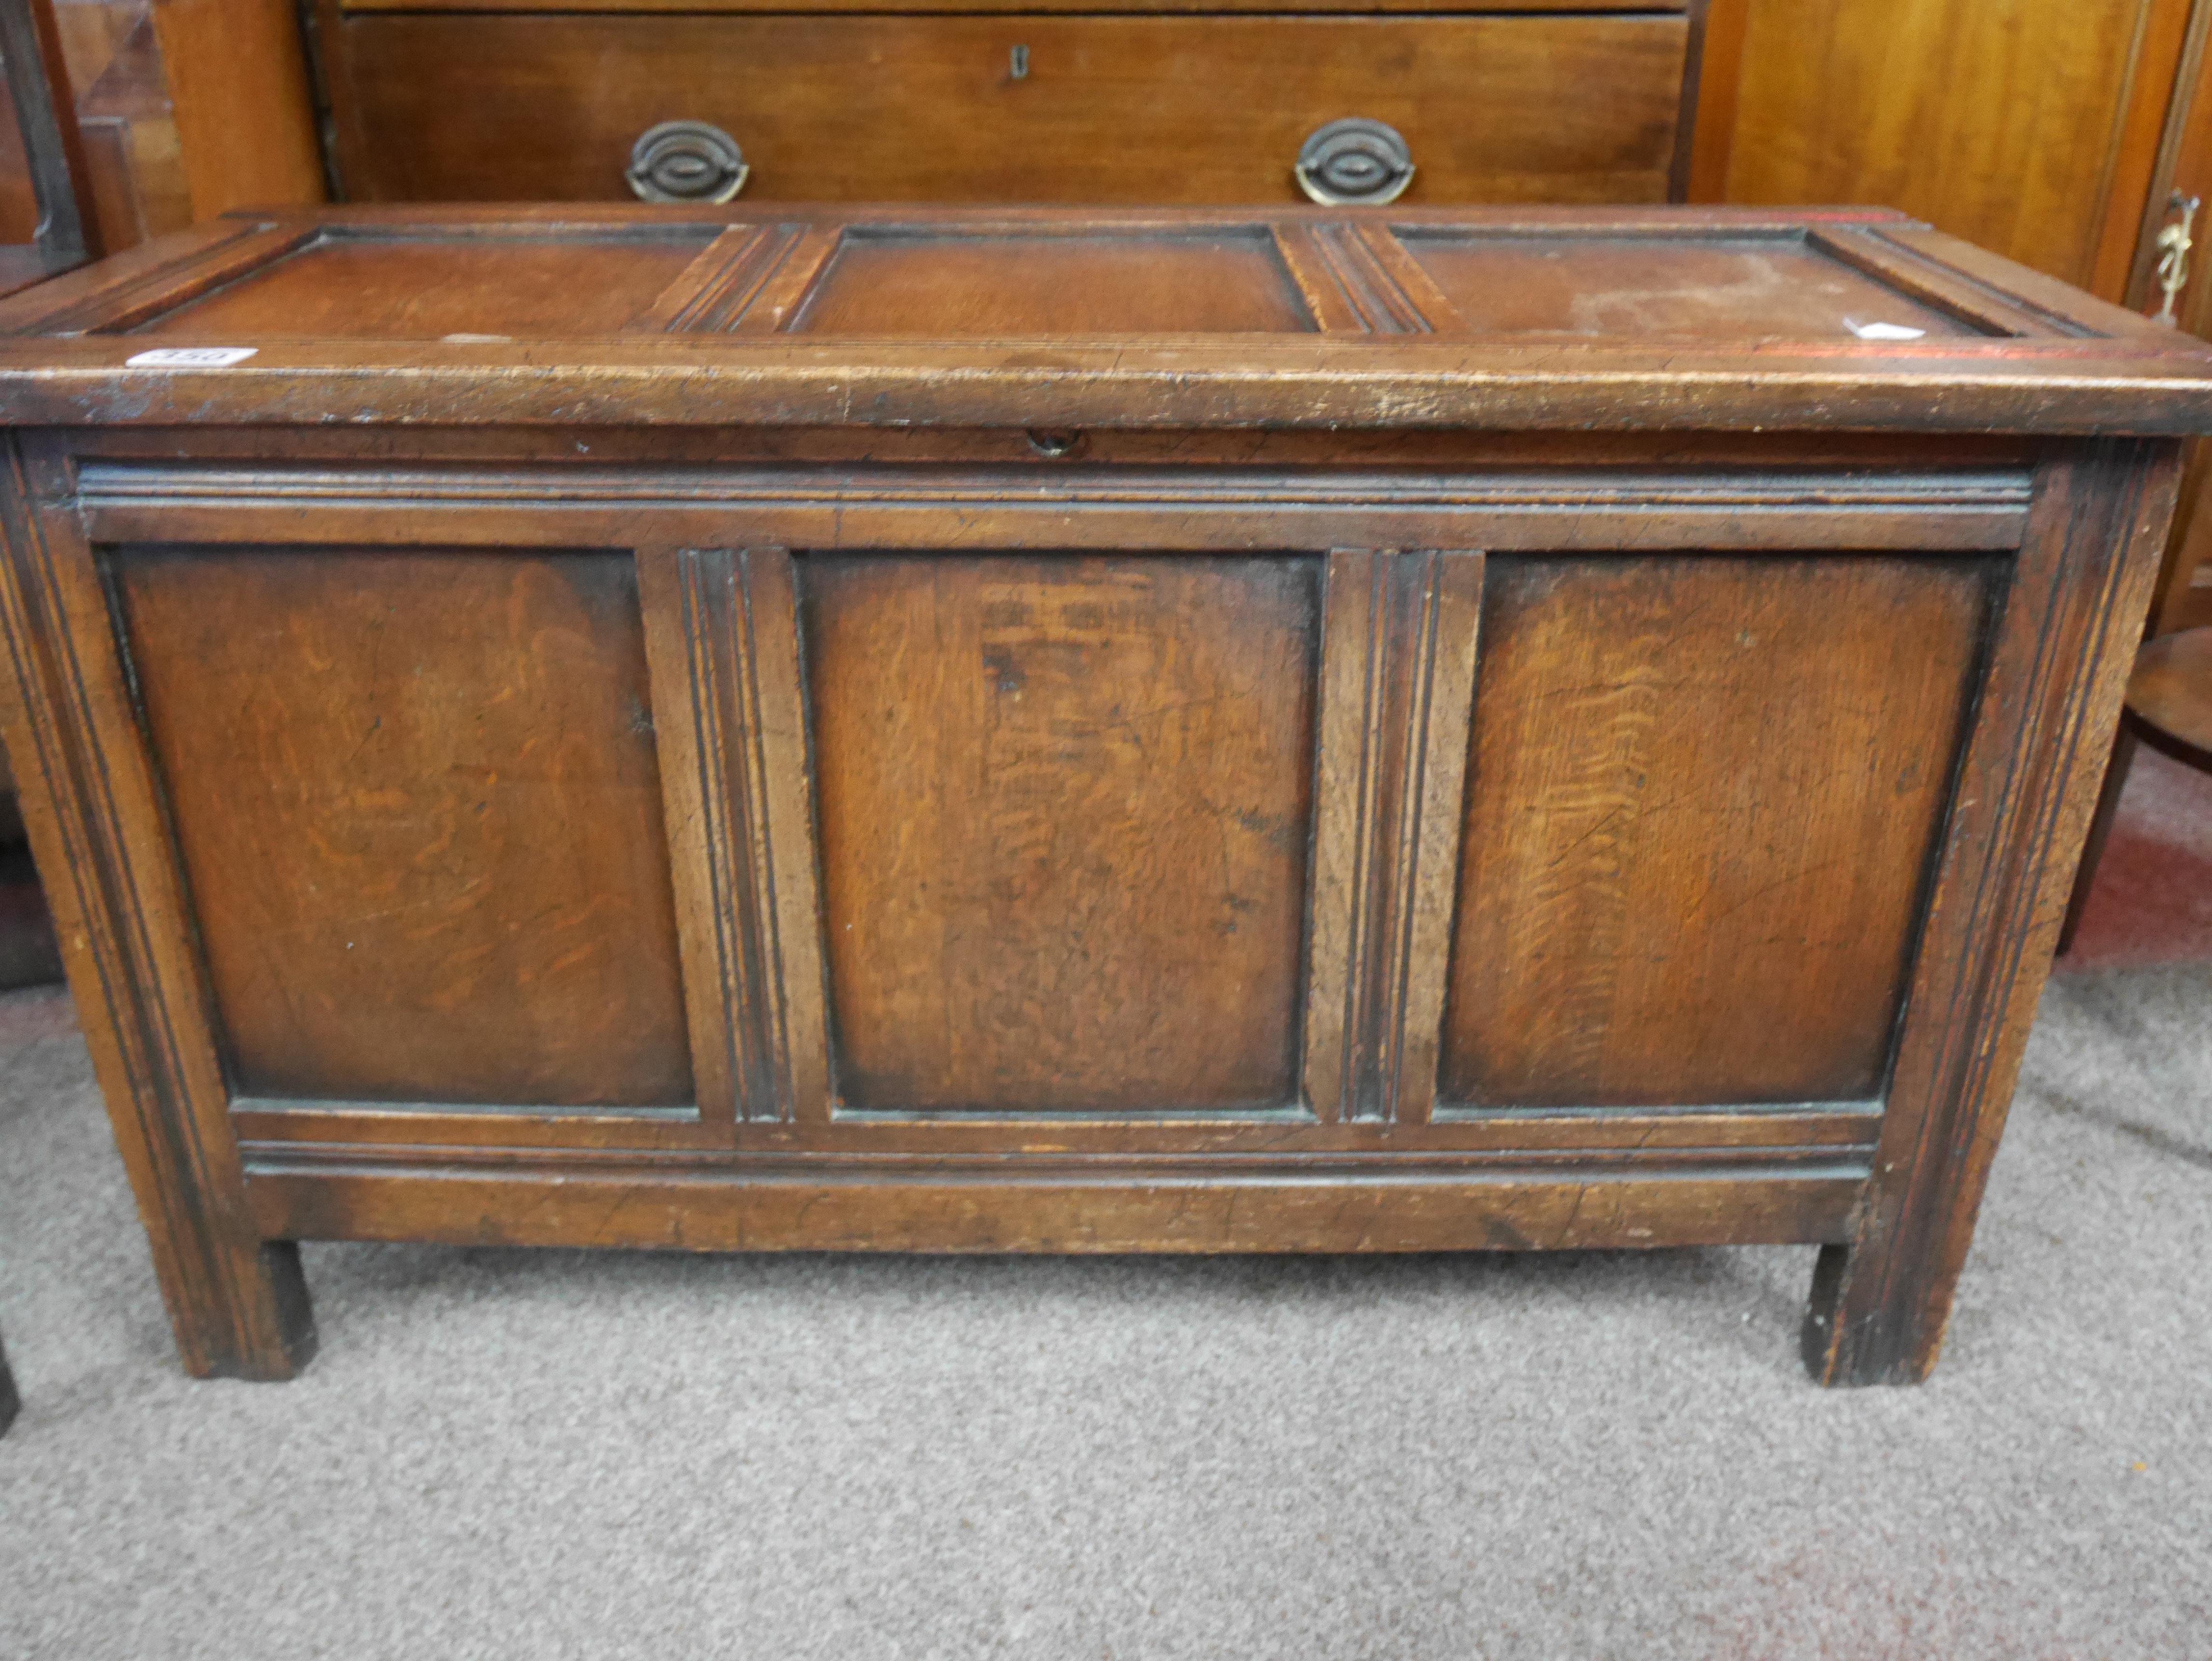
(1146, 731)
(1537, 100)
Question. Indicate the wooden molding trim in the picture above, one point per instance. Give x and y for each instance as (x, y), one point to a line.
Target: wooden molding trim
(300, 1197)
(722, 639)
(1398, 662)
(1835, 1132)
(1126, 508)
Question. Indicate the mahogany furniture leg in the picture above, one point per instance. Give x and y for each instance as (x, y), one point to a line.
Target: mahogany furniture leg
(1881, 1302)
(238, 1305)
(2100, 827)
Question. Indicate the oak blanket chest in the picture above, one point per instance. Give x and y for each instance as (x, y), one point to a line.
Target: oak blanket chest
(1037, 731)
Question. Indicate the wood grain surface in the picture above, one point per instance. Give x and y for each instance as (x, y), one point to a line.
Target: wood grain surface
(1154, 109)
(2026, 126)
(1376, 781)
(994, 285)
(722, 637)
(1399, 668)
(1064, 806)
(91, 802)
(1078, 1212)
(425, 289)
(417, 803)
(924, 7)
(1700, 811)
(237, 77)
(1153, 317)
(1775, 288)
(2026, 789)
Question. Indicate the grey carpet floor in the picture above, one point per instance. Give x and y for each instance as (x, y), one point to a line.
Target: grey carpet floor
(508, 1453)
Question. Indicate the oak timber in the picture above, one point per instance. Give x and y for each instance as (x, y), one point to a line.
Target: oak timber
(1118, 730)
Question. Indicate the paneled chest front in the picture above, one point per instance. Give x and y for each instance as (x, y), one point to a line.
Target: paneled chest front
(1147, 731)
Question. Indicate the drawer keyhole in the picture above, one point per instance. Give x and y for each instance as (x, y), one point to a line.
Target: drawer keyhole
(1055, 443)
(1018, 64)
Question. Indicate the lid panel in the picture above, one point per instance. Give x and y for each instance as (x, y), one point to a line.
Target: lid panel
(953, 286)
(1736, 289)
(425, 288)
(1489, 319)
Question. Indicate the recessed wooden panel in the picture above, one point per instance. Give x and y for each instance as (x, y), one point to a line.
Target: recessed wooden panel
(1722, 288)
(425, 287)
(891, 108)
(1065, 806)
(1225, 282)
(420, 815)
(1701, 796)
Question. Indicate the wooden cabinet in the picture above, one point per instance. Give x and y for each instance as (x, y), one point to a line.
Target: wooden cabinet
(186, 109)
(2171, 279)
(1031, 730)
(2027, 127)
(1123, 103)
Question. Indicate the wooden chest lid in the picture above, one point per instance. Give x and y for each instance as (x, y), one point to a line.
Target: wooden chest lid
(1681, 318)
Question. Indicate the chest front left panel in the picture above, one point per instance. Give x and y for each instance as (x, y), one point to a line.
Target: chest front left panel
(417, 806)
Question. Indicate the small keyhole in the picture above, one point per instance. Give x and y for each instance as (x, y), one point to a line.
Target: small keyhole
(1054, 442)
(1019, 63)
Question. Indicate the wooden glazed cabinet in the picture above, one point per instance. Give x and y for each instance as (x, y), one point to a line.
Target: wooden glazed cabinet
(1035, 731)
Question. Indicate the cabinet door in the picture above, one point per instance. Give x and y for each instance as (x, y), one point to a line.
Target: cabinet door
(2170, 279)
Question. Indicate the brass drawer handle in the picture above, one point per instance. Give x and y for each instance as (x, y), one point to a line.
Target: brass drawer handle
(686, 161)
(1354, 162)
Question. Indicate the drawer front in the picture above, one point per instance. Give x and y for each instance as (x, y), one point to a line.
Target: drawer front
(915, 108)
